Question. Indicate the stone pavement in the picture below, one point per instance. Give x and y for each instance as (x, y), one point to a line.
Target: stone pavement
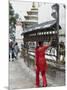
(20, 76)
(55, 77)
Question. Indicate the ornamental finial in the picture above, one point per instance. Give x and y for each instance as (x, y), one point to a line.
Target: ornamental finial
(33, 4)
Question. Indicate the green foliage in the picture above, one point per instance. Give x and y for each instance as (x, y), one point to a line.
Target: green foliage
(12, 21)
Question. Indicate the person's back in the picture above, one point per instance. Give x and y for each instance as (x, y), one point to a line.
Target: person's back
(41, 65)
(41, 57)
(40, 54)
(10, 45)
(16, 48)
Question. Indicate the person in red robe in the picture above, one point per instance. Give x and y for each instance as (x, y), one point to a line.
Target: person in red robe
(41, 64)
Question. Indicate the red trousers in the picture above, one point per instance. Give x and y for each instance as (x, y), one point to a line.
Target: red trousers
(43, 78)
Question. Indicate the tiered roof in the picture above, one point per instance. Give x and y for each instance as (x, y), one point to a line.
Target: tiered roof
(32, 17)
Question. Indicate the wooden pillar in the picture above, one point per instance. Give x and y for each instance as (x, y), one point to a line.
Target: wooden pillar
(28, 60)
(36, 39)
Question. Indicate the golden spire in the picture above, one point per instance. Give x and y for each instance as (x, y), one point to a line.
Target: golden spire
(33, 4)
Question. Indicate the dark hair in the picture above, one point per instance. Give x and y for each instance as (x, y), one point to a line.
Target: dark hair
(16, 43)
(40, 43)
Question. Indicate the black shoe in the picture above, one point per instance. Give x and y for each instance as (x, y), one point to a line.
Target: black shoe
(44, 86)
(12, 59)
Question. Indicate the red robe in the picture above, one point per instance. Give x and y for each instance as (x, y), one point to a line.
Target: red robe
(40, 58)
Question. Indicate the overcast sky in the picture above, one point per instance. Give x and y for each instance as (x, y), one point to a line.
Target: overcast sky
(45, 10)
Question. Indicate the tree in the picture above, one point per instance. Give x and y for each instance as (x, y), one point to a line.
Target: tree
(12, 22)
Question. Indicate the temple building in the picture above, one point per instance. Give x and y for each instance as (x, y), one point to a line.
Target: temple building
(44, 31)
(31, 18)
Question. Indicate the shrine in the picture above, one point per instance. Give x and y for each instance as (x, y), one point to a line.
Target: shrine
(34, 32)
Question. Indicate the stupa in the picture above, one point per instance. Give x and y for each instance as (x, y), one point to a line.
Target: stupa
(31, 18)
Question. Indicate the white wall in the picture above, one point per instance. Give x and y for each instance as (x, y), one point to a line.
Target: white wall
(45, 11)
(18, 36)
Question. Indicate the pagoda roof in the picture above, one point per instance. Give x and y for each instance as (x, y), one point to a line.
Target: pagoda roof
(33, 16)
(32, 11)
(40, 27)
(29, 21)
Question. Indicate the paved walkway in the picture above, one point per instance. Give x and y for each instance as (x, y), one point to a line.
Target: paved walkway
(20, 76)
